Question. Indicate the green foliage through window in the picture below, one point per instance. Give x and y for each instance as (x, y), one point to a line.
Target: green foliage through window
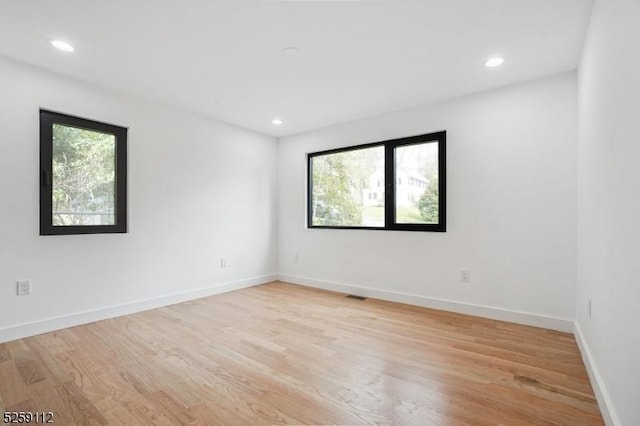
(428, 204)
(339, 181)
(83, 177)
(395, 185)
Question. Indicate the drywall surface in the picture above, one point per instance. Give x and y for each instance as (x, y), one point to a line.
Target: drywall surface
(609, 206)
(199, 190)
(511, 176)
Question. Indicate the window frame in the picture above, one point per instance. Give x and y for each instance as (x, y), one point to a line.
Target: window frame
(47, 120)
(439, 137)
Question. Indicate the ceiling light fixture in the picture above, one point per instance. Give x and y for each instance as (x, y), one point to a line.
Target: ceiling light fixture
(62, 45)
(276, 121)
(291, 51)
(494, 62)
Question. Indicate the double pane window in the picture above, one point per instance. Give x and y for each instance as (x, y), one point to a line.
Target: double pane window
(393, 185)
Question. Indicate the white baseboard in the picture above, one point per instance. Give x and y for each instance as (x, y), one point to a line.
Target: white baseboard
(602, 396)
(51, 324)
(518, 317)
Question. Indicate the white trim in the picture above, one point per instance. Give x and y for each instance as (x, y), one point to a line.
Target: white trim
(604, 400)
(518, 317)
(51, 324)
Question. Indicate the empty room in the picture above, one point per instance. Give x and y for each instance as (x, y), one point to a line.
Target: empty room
(320, 212)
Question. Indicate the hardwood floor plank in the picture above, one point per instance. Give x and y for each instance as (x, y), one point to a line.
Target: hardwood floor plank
(5, 355)
(172, 409)
(286, 354)
(12, 387)
(29, 366)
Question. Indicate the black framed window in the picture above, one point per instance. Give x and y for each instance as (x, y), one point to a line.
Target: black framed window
(83, 176)
(398, 184)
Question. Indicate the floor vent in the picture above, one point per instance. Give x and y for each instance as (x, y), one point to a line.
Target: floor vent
(353, 296)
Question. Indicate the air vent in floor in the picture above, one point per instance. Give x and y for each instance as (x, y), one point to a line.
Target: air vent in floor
(353, 296)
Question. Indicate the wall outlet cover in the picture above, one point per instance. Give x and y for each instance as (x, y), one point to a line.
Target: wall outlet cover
(24, 287)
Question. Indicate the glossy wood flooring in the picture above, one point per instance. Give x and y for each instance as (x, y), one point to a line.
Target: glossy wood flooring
(281, 353)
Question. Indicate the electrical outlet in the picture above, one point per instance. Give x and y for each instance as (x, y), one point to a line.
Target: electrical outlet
(296, 258)
(589, 308)
(24, 287)
(224, 262)
(465, 276)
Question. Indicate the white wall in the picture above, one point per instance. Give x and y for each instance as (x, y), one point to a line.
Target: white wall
(511, 181)
(609, 205)
(198, 190)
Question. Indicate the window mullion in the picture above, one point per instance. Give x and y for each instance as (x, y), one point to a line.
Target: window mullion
(390, 190)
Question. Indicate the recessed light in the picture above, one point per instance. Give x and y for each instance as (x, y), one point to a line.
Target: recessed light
(62, 45)
(291, 51)
(276, 121)
(494, 62)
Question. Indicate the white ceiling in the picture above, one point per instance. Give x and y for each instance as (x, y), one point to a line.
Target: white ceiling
(224, 58)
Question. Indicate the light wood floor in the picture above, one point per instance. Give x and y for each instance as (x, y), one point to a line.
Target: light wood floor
(281, 353)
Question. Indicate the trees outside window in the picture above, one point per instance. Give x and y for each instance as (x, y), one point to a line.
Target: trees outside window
(83, 175)
(393, 185)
